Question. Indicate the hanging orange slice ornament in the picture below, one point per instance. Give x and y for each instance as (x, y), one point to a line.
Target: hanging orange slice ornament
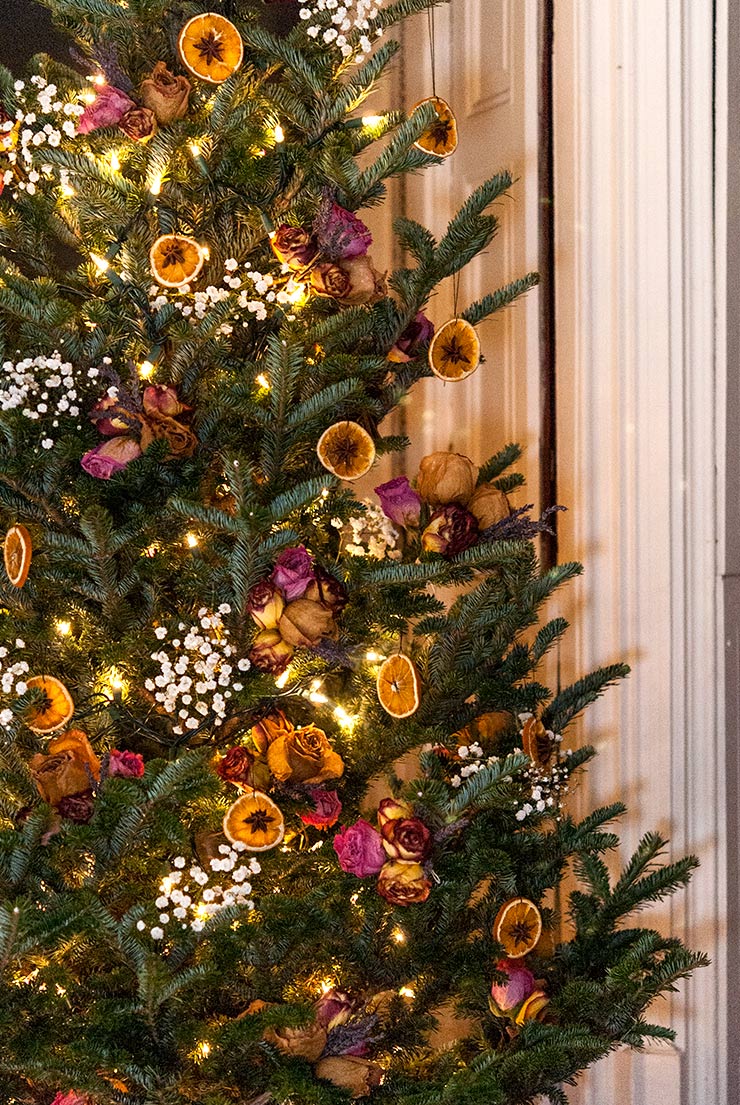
(176, 260)
(346, 450)
(254, 821)
(518, 927)
(455, 351)
(55, 708)
(399, 686)
(17, 553)
(211, 47)
(537, 742)
(441, 137)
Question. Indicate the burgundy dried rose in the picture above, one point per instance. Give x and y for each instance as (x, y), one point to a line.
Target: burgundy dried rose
(328, 590)
(265, 603)
(77, 807)
(236, 766)
(520, 983)
(110, 457)
(402, 883)
(163, 399)
(334, 1008)
(451, 530)
(305, 624)
(111, 418)
(139, 123)
(326, 811)
(270, 652)
(294, 246)
(359, 849)
(393, 809)
(107, 109)
(400, 502)
(293, 572)
(165, 94)
(406, 838)
(340, 233)
(416, 335)
(129, 765)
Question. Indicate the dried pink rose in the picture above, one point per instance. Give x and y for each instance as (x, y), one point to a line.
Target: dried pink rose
(163, 399)
(326, 811)
(129, 765)
(400, 502)
(359, 849)
(340, 234)
(107, 109)
(333, 1008)
(418, 333)
(293, 572)
(520, 983)
(110, 457)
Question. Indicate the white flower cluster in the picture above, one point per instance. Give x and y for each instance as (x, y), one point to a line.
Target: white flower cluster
(193, 905)
(44, 390)
(369, 534)
(195, 679)
(196, 305)
(334, 20)
(12, 678)
(41, 120)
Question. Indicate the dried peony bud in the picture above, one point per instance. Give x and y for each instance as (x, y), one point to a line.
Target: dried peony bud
(129, 765)
(165, 94)
(266, 604)
(416, 335)
(446, 478)
(304, 624)
(451, 530)
(270, 652)
(520, 983)
(334, 1008)
(489, 505)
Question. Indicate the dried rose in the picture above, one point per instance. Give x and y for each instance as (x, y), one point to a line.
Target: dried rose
(330, 280)
(519, 984)
(533, 1008)
(340, 233)
(59, 775)
(139, 123)
(416, 335)
(270, 728)
(293, 572)
(393, 809)
(266, 604)
(77, 807)
(129, 765)
(451, 530)
(163, 399)
(306, 1042)
(182, 441)
(402, 883)
(407, 838)
(359, 849)
(352, 282)
(304, 756)
(333, 1009)
(107, 109)
(446, 478)
(326, 811)
(304, 624)
(71, 1098)
(270, 652)
(325, 588)
(348, 1072)
(165, 94)
(76, 742)
(118, 421)
(489, 505)
(236, 766)
(400, 502)
(294, 246)
(110, 457)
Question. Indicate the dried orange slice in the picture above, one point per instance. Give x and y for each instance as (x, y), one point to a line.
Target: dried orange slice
(441, 137)
(537, 742)
(17, 554)
(255, 821)
(176, 260)
(518, 927)
(455, 350)
(211, 47)
(56, 707)
(399, 686)
(346, 450)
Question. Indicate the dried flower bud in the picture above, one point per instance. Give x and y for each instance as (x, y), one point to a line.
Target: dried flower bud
(305, 623)
(451, 530)
(446, 478)
(489, 505)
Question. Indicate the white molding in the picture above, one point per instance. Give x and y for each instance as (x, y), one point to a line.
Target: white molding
(637, 428)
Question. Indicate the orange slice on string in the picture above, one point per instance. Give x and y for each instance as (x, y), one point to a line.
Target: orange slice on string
(211, 47)
(55, 708)
(346, 450)
(176, 260)
(255, 821)
(441, 137)
(17, 553)
(455, 351)
(399, 686)
(537, 742)
(518, 927)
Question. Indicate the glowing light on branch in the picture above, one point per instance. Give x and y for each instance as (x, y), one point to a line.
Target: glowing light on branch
(191, 540)
(63, 628)
(279, 134)
(146, 368)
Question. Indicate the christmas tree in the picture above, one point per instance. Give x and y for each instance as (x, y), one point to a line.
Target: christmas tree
(218, 882)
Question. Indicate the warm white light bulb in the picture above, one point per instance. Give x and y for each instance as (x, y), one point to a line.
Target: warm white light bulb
(195, 149)
(146, 368)
(372, 120)
(156, 186)
(279, 134)
(99, 79)
(64, 628)
(115, 161)
(262, 381)
(191, 540)
(100, 263)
